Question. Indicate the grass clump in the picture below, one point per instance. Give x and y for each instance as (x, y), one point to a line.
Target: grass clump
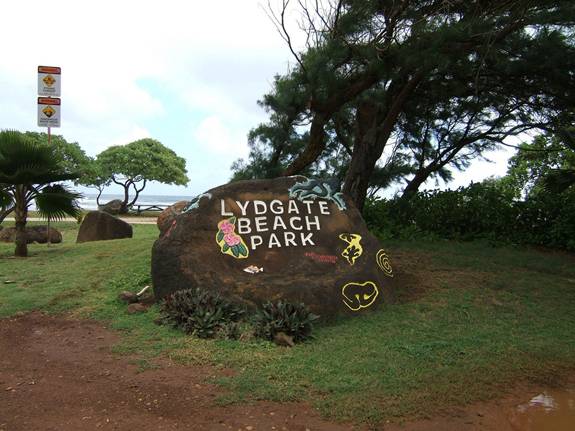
(202, 313)
(206, 314)
(294, 320)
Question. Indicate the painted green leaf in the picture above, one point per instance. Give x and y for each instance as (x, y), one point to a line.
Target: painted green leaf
(242, 249)
(220, 236)
(235, 251)
(226, 248)
(232, 220)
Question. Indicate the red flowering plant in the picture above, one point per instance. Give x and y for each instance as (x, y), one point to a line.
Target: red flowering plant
(229, 241)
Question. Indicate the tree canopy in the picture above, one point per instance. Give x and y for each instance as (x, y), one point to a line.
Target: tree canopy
(427, 84)
(133, 165)
(72, 157)
(547, 164)
(28, 170)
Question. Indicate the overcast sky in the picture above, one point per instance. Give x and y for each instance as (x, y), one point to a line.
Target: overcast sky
(188, 73)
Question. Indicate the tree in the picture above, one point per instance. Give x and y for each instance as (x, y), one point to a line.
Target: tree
(133, 165)
(73, 159)
(440, 80)
(547, 160)
(27, 173)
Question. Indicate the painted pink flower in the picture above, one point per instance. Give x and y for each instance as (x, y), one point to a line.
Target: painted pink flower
(232, 239)
(227, 227)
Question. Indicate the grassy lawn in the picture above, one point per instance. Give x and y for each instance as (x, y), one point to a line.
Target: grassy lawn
(470, 321)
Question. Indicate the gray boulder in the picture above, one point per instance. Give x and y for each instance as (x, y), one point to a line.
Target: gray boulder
(37, 234)
(113, 207)
(100, 226)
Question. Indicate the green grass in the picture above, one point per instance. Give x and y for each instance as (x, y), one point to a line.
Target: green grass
(471, 321)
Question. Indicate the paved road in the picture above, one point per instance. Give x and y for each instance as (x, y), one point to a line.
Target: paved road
(131, 220)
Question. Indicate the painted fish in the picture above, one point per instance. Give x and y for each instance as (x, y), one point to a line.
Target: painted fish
(252, 269)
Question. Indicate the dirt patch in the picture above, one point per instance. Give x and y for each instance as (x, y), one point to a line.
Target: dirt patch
(60, 374)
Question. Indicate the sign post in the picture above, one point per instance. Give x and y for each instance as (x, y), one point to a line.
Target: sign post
(49, 86)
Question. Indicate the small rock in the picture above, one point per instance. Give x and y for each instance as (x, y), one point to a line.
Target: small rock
(129, 297)
(136, 308)
(283, 339)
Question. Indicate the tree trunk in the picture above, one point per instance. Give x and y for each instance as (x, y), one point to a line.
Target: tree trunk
(100, 190)
(314, 148)
(364, 150)
(137, 192)
(413, 185)
(20, 216)
(374, 127)
(124, 208)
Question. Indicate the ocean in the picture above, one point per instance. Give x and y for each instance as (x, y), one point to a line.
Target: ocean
(88, 202)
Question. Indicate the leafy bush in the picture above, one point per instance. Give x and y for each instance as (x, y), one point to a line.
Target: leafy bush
(294, 320)
(202, 313)
(478, 211)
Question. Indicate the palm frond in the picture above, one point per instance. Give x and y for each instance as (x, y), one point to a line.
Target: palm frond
(57, 201)
(23, 161)
(6, 198)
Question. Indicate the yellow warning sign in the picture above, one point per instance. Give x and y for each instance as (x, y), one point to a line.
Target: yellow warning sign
(48, 111)
(49, 80)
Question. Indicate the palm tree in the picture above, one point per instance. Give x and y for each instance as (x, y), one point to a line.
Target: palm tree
(27, 171)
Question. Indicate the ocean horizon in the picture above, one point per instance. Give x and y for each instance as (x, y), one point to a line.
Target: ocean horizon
(88, 201)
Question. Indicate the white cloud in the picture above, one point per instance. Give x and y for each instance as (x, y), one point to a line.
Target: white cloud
(217, 58)
(215, 137)
(126, 64)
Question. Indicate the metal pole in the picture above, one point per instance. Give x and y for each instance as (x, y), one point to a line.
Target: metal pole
(48, 227)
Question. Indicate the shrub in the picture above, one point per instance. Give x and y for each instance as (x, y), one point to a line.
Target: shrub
(202, 313)
(294, 320)
(479, 211)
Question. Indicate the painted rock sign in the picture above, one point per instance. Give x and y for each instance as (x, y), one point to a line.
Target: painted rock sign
(263, 240)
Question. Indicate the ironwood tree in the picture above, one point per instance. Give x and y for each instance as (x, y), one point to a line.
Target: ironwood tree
(428, 84)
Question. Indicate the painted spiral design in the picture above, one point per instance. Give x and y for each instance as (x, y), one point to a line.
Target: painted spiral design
(383, 262)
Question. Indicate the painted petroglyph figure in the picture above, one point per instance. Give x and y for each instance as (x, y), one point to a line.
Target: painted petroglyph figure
(313, 189)
(383, 262)
(324, 258)
(230, 242)
(252, 269)
(359, 295)
(353, 249)
(195, 202)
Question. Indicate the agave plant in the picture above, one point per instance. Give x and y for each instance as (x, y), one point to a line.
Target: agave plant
(27, 171)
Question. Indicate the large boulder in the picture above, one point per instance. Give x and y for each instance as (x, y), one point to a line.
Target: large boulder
(37, 234)
(100, 226)
(167, 217)
(287, 238)
(113, 207)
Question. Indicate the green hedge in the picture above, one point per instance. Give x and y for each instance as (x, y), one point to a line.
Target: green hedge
(475, 212)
